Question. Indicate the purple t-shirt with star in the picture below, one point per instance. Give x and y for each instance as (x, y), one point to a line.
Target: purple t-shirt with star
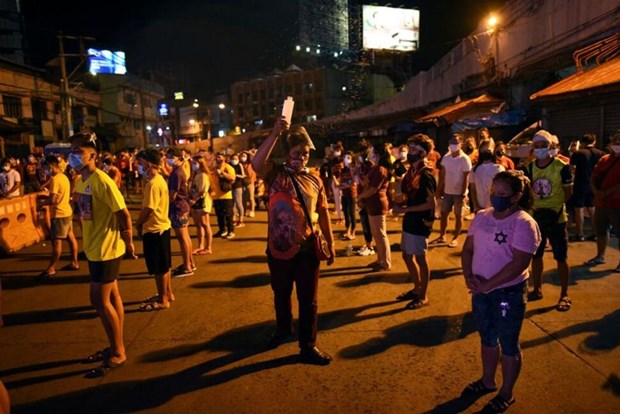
(495, 239)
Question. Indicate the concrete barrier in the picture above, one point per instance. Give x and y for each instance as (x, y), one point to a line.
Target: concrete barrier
(20, 225)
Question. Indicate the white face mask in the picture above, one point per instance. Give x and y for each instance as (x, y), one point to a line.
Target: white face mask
(361, 159)
(615, 149)
(403, 155)
(244, 159)
(337, 153)
(454, 147)
(234, 162)
(347, 161)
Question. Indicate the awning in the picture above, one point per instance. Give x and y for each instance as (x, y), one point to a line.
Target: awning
(8, 127)
(470, 108)
(601, 76)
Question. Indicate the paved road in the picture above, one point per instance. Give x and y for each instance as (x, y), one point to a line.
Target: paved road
(205, 354)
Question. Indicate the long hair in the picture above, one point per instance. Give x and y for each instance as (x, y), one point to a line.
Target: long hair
(519, 183)
(384, 158)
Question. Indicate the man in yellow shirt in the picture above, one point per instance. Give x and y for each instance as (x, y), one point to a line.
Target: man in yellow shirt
(153, 226)
(106, 235)
(222, 196)
(62, 216)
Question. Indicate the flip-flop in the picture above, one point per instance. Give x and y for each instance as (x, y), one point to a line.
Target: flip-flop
(477, 388)
(498, 404)
(533, 295)
(70, 267)
(152, 306)
(409, 295)
(46, 274)
(438, 241)
(595, 261)
(104, 369)
(564, 304)
(417, 304)
(98, 356)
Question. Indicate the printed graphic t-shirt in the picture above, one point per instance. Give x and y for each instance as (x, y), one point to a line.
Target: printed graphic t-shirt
(494, 240)
(419, 185)
(548, 185)
(98, 200)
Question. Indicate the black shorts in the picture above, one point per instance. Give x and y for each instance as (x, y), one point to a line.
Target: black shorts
(157, 252)
(558, 237)
(582, 198)
(106, 271)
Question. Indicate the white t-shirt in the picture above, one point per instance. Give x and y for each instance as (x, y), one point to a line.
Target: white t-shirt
(454, 168)
(483, 179)
(8, 180)
(494, 240)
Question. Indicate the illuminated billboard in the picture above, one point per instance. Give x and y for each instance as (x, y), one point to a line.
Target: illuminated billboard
(106, 61)
(390, 28)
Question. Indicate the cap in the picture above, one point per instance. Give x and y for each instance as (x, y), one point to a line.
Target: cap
(543, 136)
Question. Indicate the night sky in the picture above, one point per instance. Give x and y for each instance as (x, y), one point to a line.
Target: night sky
(218, 42)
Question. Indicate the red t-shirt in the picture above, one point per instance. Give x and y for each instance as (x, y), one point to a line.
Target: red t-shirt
(377, 204)
(607, 174)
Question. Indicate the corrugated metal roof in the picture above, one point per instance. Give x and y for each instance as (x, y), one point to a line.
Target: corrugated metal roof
(606, 74)
(464, 109)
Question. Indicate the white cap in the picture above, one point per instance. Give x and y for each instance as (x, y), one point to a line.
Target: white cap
(543, 136)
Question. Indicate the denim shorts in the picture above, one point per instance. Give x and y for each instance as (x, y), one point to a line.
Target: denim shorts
(499, 315)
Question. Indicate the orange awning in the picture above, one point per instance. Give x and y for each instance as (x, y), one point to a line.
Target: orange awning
(603, 75)
(481, 105)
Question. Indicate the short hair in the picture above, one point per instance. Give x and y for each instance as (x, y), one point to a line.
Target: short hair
(298, 136)
(84, 140)
(51, 160)
(422, 140)
(175, 152)
(150, 155)
(588, 139)
(108, 161)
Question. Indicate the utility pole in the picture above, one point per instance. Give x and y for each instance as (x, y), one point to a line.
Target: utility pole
(143, 118)
(65, 103)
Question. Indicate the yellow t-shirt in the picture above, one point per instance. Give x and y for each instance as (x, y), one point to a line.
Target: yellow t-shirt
(218, 194)
(98, 200)
(59, 184)
(156, 198)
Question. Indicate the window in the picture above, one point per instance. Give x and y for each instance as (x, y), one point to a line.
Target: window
(137, 124)
(39, 110)
(129, 98)
(12, 106)
(146, 101)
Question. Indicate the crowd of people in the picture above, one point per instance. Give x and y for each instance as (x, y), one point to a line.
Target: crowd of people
(513, 211)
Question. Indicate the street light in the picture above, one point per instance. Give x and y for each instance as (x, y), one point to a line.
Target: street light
(492, 22)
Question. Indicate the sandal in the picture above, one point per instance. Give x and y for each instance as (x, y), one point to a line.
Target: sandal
(409, 295)
(152, 306)
(498, 405)
(477, 388)
(98, 356)
(70, 267)
(439, 240)
(534, 295)
(564, 304)
(104, 369)
(417, 303)
(595, 261)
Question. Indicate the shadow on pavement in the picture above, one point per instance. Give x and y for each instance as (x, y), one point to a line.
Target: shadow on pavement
(249, 239)
(579, 272)
(455, 405)
(39, 367)
(446, 273)
(245, 281)
(249, 259)
(605, 337)
(613, 384)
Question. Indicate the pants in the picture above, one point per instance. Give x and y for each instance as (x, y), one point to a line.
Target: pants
(365, 225)
(337, 200)
(249, 196)
(238, 202)
(348, 207)
(378, 229)
(303, 270)
(224, 213)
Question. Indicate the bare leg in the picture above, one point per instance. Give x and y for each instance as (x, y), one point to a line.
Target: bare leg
(73, 248)
(206, 224)
(106, 299)
(413, 270)
(56, 252)
(564, 273)
(199, 230)
(163, 289)
(185, 243)
(537, 270)
(443, 224)
(579, 221)
(490, 360)
(424, 275)
(511, 367)
(601, 245)
(458, 225)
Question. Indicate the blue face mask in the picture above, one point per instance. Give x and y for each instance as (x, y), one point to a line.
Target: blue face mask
(141, 170)
(76, 162)
(500, 204)
(541, 153)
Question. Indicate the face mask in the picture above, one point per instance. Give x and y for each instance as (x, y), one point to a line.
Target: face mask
(486, 155)
(6, 168)
(141, 170)
(218, 162)
(499, 153)
(403, 155)
(615, 149)
(500, 204)
(195, 167)
(31, 160)
(234, 162)
(553, 152)
(361, 159)
(75, 161)
(337, 153)
(454, 147)
(170, 162)
(296, 165)
(106, 168)
(347, 161)
(541, 153)
(244, 159)
(414, 157)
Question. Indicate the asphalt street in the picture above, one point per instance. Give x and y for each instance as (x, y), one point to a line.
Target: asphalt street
(206, 353)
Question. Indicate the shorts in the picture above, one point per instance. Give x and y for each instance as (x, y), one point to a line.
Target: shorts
(157, 252)
(413, 244)
(106, 271)
(605, 217)
(451, 200)
(179, 219)
(61, 227)
(499, 315)
(558, 237)
(581, 199)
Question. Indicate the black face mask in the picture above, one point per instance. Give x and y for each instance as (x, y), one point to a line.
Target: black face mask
(500, 153)
(413, 158)
(486, 155)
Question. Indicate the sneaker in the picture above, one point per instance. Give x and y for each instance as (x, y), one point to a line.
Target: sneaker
(180, 272)
(218, 234)
(367, 252)
(314, 356)
(230, 236)
(362, 250)
(224, 234)
(251, 214)
(240, 225)
(371, 251)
